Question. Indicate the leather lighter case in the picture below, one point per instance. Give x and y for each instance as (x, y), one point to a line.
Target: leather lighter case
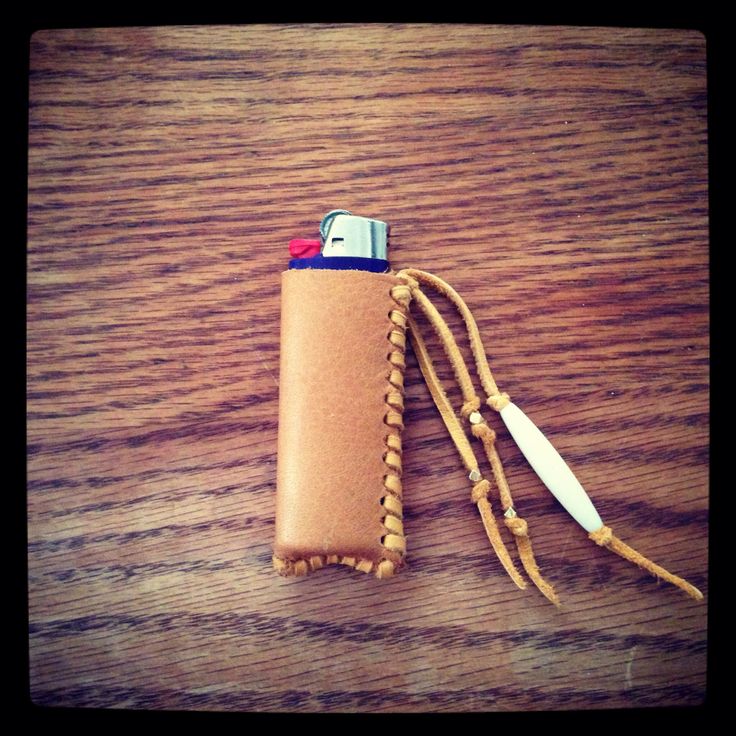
(343, 338)
(344, 319)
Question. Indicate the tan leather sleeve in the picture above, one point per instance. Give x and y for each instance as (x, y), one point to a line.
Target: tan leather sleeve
(340, 402)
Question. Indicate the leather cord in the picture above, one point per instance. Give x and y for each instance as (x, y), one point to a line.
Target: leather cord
(497, 400)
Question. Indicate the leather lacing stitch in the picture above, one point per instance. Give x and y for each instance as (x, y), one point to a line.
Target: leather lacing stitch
(393, 541)
(296, 568)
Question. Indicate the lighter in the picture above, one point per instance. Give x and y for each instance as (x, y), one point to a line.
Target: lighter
(347, 242)
(339, 490)
(343, 322)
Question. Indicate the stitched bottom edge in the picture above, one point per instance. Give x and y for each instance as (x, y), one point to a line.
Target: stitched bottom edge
(383, 568)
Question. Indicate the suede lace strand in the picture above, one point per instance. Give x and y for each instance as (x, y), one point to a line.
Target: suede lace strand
(479, 428)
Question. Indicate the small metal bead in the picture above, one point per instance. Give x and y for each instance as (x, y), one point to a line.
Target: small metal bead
(475, 418)
(475, 475)
(510, 513)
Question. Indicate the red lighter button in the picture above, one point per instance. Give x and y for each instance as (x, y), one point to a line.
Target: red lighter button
(303, 248)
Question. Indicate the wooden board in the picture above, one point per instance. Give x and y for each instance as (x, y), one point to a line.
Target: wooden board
(557, 177)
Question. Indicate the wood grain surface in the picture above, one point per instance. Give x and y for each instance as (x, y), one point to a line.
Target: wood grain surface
(557, 177)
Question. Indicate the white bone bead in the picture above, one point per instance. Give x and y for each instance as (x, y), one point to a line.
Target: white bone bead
(551, 468)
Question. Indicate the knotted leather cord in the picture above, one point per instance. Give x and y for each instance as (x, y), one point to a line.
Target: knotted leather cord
(479, 428)
(482, 487)
(496, 400)
(487, 436)
(604, 536)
